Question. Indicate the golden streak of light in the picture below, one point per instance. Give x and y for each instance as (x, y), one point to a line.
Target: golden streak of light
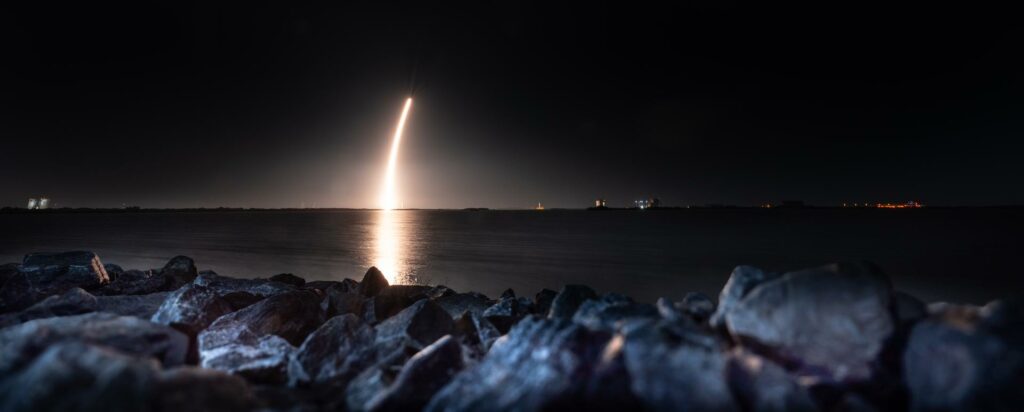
(388, 199)
(389, 239)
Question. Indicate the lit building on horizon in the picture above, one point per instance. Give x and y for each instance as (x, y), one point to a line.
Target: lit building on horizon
(44, 203)
(32, 203)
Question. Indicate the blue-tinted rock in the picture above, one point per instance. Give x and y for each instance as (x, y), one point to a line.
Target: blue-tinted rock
(140, 306)
(742, 280)
(73, 302)
(44, 274)
(569, 299)
(763, 386)
(224, 285)
(179, 271)
(606, 313)
(456, 304)
(832, 321)
(421, 377)
(423, 323)
(337, 351)
(542, 301)
(191, 309)
(698, 306)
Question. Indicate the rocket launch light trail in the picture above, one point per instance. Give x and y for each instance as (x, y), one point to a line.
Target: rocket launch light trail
(388, 199)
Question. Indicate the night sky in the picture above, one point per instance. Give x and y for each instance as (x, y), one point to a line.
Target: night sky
(205, 105)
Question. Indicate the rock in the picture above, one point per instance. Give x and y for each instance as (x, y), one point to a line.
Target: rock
(375, 379)
(507, 294)
(421, 377)
(73, 376)
(667, 375)
(456, 304)
(321, 285)
(967, 359)
(422, 323)
(43, 274)
(373, 282)
(504, 314)
(669, 311)
(113, 271)
(440, 291)
(542, 301)
(830, 322)
(337, 351)
(241, 300)
(198, 389)
(607, 312)
(742, 280)
(288, 278)
(74, 301)
(191, 309)
(291, 316)
(540, 365)
(569, 299)
(7, 271)
(137, 282)
(698, 306)
(256, 342)
(392, 299)
(179, 271)
(475, 330)
(21, 343)
(763, 386)
(340, 302)
(224, 285)
(140, 306)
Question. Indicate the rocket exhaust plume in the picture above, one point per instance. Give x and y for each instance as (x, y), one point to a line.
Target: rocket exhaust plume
(388, 199)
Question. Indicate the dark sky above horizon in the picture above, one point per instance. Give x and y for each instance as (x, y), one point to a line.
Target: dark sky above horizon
(207, 104)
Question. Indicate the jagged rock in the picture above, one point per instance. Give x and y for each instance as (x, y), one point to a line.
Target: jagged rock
(241, 300)
(742, 280)
(476, 330)
(698, 306)
(179, 271)
(72, 302)
(440, 291)
(113, 271)
(421, 377)
(73, 376)
(760, 385)
(255, 342)
(137, 282)
(507, 294)
(21, 343)
(43, 274)
(967, 359)
(224, 285)
(140, 306)
(458, 303)
(392, 299)
(668, 375)
(504, 314)
(191, 309)
(340, 302)
(198, 389)
(607, 312)
(669, 311)
(540, 364)
(373, 282)
(290, 279)
(321, 285)
(569, 299)
(375, 380)
(263, 360)
(542, 301)
(831, 321)
(422, 323)
(338, 350)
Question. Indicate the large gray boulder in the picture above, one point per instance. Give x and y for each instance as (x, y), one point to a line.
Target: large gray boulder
(73, 376)
(394, 298)
(73, 302)
(540, 364)
(191, 309)
(742, 280)
(668, 373)
(21, 343)
(373, 282)
(255, 342)
(44, 274)
(967, 359)
(421, 377)
(224, 285)
(569, 299)
(420, 324)
(179, 271)
(337, 351)
(832, 321)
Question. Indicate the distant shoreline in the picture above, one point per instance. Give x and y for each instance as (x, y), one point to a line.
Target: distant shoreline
(13, 210)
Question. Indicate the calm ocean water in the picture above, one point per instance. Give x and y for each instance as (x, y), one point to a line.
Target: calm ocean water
(937, 254)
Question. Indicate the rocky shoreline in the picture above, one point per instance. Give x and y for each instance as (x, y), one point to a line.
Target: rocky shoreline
(80, 335)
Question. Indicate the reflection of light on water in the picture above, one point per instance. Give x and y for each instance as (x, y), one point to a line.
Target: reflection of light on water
(388, 246)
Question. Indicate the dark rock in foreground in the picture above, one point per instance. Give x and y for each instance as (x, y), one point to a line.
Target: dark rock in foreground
(79, 335)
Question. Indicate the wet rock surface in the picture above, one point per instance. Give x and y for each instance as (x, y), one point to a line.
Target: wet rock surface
(80, 335)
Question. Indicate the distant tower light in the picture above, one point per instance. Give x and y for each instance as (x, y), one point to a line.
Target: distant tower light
(33, 204)
(44, 203)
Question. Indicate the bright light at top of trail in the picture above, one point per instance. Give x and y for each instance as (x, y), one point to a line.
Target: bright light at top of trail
(388, 198)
